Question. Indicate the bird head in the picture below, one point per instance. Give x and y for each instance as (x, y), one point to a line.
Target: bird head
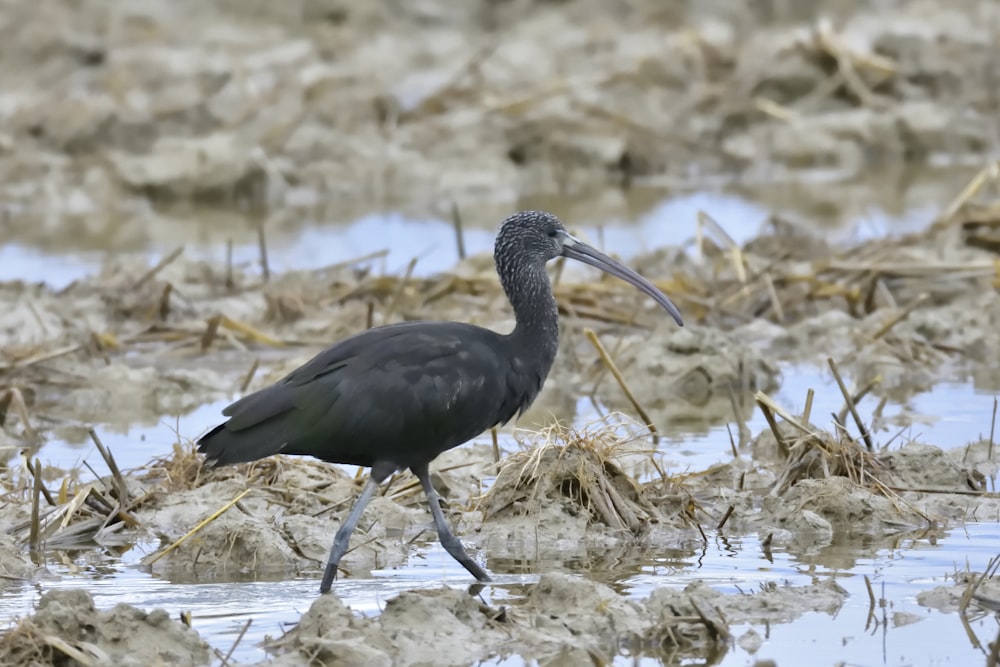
(531, 236)
(535, 237)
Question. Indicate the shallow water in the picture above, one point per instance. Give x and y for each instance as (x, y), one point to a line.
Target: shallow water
(966, 419)
(961, 413)
(637, 221)
(730, 564)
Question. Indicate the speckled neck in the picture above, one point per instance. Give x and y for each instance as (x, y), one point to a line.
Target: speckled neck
(529, 291)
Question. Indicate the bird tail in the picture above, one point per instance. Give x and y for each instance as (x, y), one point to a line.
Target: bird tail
(223, 446)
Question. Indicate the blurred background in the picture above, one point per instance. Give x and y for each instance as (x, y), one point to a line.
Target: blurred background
(198, 195)
(345, 128)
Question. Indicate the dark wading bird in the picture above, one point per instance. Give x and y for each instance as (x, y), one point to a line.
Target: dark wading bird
(397, 396)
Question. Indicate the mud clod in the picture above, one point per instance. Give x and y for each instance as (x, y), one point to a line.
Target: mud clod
(283, 526)
(690, 371)
(133, 128)
(827, 597)
(568, 495)
(13, 561)
(576, 477)
(820, 506)
(411, 630)
(567, 606)
(66, 625)
(921, 466)
(420, 622)
(331, 634)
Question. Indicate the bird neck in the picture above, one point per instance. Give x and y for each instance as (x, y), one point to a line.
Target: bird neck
(537, 330)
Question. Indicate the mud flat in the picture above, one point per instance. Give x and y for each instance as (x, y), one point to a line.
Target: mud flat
(570, 489)
(571, 495)
(135, 342)
(119, 118)
(109, 107)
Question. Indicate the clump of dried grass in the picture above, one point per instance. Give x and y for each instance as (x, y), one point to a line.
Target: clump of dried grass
(179, 470)
(25, 644)
(74, 514)
(29, 645)
(821, 455)
(579, 468)
(812, 453)
(285, 476)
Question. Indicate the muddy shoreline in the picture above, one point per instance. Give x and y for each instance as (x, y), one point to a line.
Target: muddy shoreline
(213, 121)
(572, 496)
(275, 110)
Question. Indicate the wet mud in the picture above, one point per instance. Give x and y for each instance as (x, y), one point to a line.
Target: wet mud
(128, 118)
(392, 103)
(572, 496)
(67, 629)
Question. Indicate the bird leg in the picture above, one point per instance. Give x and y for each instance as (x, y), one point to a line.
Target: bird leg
(448, 540)
(343, 536)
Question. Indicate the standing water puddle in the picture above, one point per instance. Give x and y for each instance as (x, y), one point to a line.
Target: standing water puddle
(731, 563)
(645, 220)
(901, 632)
(966, 419)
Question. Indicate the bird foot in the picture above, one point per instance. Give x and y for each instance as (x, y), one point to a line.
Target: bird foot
(328, 577)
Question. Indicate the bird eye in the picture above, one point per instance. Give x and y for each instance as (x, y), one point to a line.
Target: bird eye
(553, 233)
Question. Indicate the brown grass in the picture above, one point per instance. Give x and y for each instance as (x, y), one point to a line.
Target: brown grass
(581, 468)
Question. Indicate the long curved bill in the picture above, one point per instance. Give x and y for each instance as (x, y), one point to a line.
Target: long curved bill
(580, 251)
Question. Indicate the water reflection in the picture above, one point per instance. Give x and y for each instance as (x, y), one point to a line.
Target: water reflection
(623, 222)
(901, 565)
(899, 568)
(694, 444)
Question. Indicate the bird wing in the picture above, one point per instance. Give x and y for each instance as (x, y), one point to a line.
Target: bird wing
(399, 393)
(280, 397)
